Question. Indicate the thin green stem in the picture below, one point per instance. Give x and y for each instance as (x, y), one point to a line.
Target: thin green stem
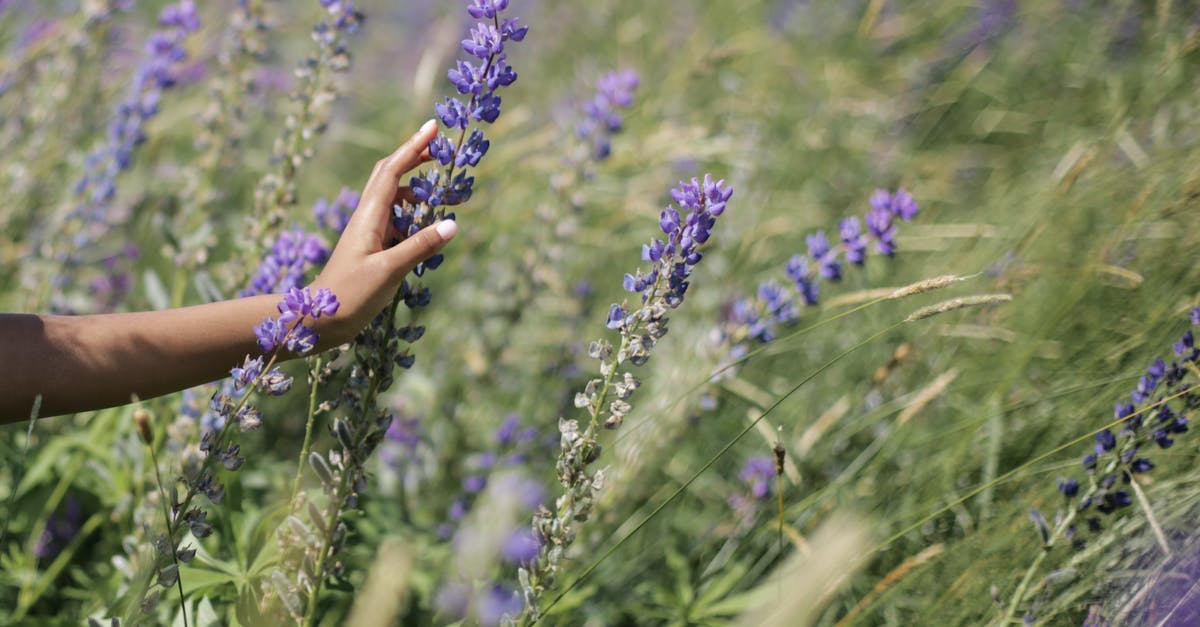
(337, 498)
(1019, 594)
(162, 494)
(308, 425)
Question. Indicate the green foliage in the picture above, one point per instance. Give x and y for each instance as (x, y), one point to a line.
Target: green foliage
(1056, 160)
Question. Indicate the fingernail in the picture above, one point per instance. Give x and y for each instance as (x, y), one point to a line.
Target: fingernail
(428, 126)
(447, 229)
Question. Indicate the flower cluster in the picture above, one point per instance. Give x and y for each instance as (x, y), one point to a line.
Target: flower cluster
(757, 473)
(758, 319)
(316, 92)
(662, 288)
(93, 217)
(384, 344)
(1156, 414)
(256, 374)
(491, 533)
(336, 215)
(287, 329)
(292, 255)
(512, 446)
(478, 80)
(672, 258)
(602, 119)
(224, 123)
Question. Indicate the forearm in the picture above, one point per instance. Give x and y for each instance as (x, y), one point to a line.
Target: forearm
(79, 363)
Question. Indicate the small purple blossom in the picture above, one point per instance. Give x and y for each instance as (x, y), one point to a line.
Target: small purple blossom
(758, 472)
(246, 374)
(496, 603)
(62, 527)
(601, 119)
(292, 256)
(336, 215)
(521, 546)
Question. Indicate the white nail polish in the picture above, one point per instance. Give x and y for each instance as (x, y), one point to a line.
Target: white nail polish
(447, 229)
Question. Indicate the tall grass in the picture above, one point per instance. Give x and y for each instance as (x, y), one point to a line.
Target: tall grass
(1052, 147)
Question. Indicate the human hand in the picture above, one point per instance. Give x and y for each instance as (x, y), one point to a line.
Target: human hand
(362, 271)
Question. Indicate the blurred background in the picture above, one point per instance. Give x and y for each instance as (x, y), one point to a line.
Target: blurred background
(1051, 146)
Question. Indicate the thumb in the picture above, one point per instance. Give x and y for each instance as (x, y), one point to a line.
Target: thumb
(422, 245)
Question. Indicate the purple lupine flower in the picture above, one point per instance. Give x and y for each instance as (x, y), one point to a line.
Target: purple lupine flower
(521, 546)
(336, 215)
(1115, 459)
(489, 9)
(93, 216)
(758, 472)
(602, 120)
(62, 526)
(758, 319)
(507, 432)
(486, 42)
(879, 223)
(292, 256)
(797, 271)
(853, 241)
(703, 202)
(247, 372)
(270, 333)
(496, 603)
(826, 257)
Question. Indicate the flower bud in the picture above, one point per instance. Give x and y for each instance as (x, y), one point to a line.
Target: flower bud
(142, 419)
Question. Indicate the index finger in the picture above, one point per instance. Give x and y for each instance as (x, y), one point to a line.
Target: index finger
(380, 191)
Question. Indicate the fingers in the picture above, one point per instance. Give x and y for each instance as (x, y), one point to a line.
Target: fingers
(388, 170)
(381, 189)
(423, 244)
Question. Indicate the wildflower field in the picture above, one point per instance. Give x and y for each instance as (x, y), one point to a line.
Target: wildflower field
(760, 312)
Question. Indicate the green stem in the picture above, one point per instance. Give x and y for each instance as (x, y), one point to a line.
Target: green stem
(336, 499)
(308, 425)
(170, 530)
(333, 514)
(1019, 595)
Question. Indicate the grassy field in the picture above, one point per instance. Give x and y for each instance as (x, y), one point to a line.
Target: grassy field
(1052, 148)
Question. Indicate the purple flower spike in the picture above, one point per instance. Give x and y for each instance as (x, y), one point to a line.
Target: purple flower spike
(615, 316)
(324, 303)
(480, 9)
(249, 371)
(853, 240)
(484, 42)
(270, 334)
